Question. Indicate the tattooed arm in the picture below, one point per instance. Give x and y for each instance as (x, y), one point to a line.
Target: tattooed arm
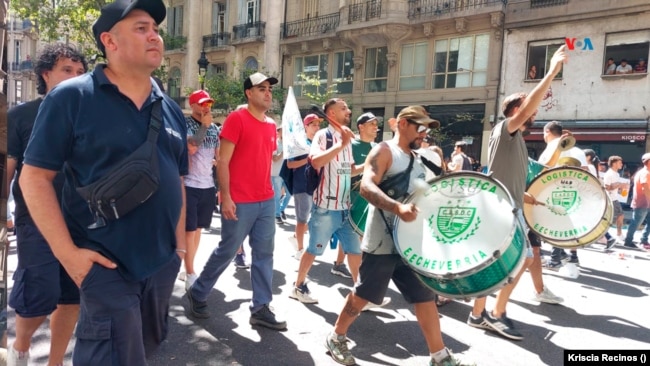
(378, 161)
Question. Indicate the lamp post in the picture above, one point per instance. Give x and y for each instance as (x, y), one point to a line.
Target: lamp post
(203, 67)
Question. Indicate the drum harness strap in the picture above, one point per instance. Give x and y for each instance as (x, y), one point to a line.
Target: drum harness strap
(389, 186)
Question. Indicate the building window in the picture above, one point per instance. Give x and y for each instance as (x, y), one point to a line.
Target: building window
(461, 62)
(17, 52)
(311, 9)
(343, 71)
(413, 63)
(219, 18)
(217, 69)
(174, 83)
(376, 74)
(251, 64)
(175, 21)
(19, 91)
(252, 11)
(630, 46)
(314, 66)
(539, 56)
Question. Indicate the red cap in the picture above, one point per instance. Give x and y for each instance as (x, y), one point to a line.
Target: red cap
(311, 118)
(200, 96)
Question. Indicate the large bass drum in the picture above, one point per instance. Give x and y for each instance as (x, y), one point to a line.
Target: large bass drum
(577, 211)
(467, 239)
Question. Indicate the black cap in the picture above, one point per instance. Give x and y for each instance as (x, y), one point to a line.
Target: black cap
(257, 79)
(368, 116)
(116, 11)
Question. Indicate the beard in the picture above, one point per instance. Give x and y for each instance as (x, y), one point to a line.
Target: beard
(414, 145)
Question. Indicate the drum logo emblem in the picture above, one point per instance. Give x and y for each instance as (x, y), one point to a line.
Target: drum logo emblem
(568, 200)
(455, 224)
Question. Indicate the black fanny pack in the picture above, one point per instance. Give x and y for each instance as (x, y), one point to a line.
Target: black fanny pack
(128, 184)
(397, 186)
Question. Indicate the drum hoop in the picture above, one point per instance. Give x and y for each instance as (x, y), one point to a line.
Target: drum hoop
(503, 245)
(562, 243)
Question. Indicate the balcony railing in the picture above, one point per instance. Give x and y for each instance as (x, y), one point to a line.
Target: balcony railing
(174, 42)
(312, 26)
(249, 30)
(544, 3)
(26, 65)
(364, 11)
(432, 8)
(216, 40)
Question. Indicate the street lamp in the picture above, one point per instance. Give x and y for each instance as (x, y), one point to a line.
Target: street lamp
(203, 67)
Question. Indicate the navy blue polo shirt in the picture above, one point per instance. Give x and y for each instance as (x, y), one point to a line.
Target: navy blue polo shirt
(89, 124)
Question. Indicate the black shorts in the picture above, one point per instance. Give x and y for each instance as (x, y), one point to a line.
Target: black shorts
(199, 207)
(534, 239)
(375, 273)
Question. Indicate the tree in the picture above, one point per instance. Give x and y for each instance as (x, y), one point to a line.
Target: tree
(318, 94)
(62, 20)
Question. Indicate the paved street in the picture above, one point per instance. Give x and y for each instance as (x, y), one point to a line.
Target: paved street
(606, 307)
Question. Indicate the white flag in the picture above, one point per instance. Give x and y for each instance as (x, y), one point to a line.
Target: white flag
(294, 137)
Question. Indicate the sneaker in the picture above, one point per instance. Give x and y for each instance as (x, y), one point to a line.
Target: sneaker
(372, 305)
(553, 266)
(548, 297)
(17, 358)
(294, 242)
(181, 276)
(302, 294)
(298, 254)
(338, 349)
(266, 318)
(479, 322)
(189, 281)
(341, 270)
(574, 259)
(450, 360)
(502, 326)
(646, 246)
(630, 245)
(278, 220)
(283, 216)
(240, 261)
(198, 309)
(564, 257)
(610, 243)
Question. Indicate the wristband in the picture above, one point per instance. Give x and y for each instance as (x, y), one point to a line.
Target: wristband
(181, 251)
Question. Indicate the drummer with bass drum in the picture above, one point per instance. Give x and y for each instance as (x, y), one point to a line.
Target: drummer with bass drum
(391, 161)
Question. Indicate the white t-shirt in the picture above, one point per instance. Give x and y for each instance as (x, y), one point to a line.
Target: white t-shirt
(611, 177)
(333, 193)
(573, 152)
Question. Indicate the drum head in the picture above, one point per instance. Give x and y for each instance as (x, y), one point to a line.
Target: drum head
(575, 207)
(463, 219)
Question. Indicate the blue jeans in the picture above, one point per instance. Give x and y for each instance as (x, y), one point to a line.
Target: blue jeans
(638, 216)
(256, 221)
(280, 203)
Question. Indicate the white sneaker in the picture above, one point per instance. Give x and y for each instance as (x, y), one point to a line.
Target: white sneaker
(298, 254)
(189, 281)
(548, 297)
(294, 242)
(182, 275)
(302, 294)
(15, 358)
(371, 305)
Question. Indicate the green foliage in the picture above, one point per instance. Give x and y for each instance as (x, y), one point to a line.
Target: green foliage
(172, 42)
(314, 91)
(227, 90)
(62, 20)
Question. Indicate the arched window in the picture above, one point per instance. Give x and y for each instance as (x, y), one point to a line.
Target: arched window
(251, 64)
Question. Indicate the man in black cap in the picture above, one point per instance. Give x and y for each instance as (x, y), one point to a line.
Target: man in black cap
(125, 267)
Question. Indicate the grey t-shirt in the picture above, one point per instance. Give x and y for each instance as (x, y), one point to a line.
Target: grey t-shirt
(508, 160)
(377, 238)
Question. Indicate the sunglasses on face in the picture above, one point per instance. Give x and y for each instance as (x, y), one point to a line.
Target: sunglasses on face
(206, 104)
(420, 128)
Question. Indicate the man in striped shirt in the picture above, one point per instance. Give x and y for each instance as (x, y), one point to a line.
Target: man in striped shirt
(331, 207)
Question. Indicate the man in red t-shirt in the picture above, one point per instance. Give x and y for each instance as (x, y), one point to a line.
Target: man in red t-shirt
(248, 139)
(640, 204)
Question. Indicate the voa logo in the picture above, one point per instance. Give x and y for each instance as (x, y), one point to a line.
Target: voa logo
(582, 44)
